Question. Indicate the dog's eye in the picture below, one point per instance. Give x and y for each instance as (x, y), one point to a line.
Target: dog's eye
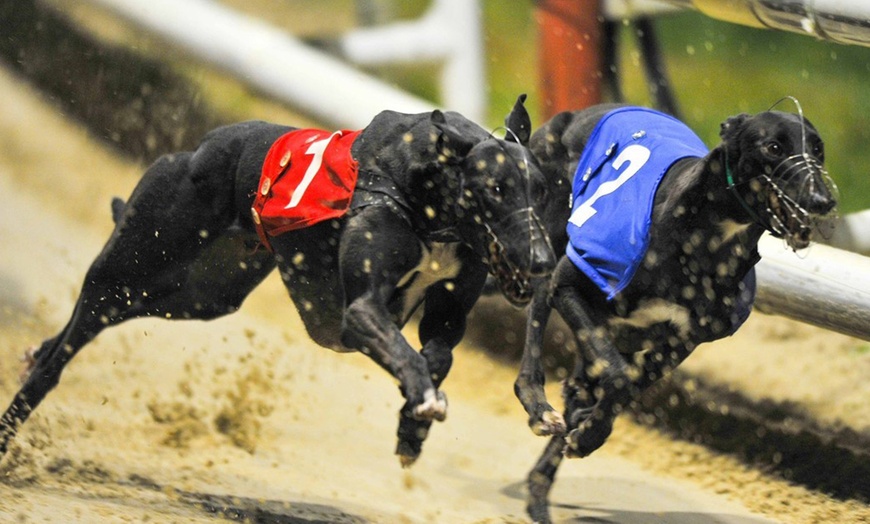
(818, 150)
(493, 188)
(495, 191)
(773, 149)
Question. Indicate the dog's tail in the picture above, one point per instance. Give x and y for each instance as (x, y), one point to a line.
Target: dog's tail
(118, 206)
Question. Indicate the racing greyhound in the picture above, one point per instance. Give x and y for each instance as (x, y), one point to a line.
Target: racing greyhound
(364, 226)
(659, 239)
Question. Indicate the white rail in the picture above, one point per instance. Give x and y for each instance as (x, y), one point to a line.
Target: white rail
(270, 60)
(852, 233)
(823, 286)
(841, 21)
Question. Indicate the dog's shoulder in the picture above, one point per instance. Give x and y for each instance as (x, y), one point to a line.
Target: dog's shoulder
(561, 140)
(389, 126)
(392, 127)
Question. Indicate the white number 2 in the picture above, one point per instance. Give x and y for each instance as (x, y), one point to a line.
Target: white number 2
(316, 150)
(636, 156)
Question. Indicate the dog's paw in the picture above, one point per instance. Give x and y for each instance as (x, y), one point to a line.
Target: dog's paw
(28, 360)
(588, 437)
(433, 407)
(550, 422)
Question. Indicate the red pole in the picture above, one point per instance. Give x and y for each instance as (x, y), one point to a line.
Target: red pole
(569, 49)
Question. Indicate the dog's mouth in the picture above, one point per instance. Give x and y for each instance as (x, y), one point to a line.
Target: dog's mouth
(803, 207)
(789, 221)
(529, 254)
(514, 284)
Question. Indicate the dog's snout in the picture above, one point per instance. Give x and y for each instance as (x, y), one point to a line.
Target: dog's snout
(543, 258)
(527, 244)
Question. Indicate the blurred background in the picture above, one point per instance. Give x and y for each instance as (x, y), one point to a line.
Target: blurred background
(101, 68)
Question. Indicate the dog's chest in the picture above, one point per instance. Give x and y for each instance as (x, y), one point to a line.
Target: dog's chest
(656, 311)
(700, 293)
(439, 262)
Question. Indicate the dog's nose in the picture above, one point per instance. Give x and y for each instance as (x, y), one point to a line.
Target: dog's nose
(543, 259)
(821, 203)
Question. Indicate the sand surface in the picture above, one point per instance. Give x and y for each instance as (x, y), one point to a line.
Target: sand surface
(244, 417)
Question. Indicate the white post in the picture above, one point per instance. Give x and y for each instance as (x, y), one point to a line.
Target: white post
(449, 32)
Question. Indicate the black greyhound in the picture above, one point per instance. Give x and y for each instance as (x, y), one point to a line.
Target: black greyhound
(438, 203)
(694, 282)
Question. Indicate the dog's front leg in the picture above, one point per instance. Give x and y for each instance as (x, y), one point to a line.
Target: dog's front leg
(367, 327)
(613, 391)
(660, 361)
(376, 252)
(441, 328)
(529, 386)
(412, 429)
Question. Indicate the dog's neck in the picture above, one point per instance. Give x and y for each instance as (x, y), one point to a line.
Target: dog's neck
(434, 198)
(737, 215)
(699, 196)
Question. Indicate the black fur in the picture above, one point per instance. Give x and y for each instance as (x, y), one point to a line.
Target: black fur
(703, 242)
(184, 247)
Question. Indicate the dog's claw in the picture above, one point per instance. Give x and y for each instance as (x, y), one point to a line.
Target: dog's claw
(550, 423)
(433, 407)
(29, 361)
(407, 460)
(408, 452)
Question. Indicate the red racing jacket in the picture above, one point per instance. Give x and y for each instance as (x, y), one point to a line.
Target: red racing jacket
(308, 176)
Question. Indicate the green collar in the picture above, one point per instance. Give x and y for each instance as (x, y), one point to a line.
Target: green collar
(729, 178)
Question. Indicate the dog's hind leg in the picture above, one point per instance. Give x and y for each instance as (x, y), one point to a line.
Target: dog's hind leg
(173, 254)
(579, 403)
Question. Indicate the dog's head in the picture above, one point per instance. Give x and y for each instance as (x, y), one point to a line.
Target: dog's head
(774, 165)
(502, 191)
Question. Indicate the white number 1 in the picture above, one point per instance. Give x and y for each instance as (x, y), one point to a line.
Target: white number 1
(316, 150)
(636, 156)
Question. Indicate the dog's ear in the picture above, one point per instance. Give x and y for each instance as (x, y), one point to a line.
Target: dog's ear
(731, 127)
(451, 143)
(519, 123)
